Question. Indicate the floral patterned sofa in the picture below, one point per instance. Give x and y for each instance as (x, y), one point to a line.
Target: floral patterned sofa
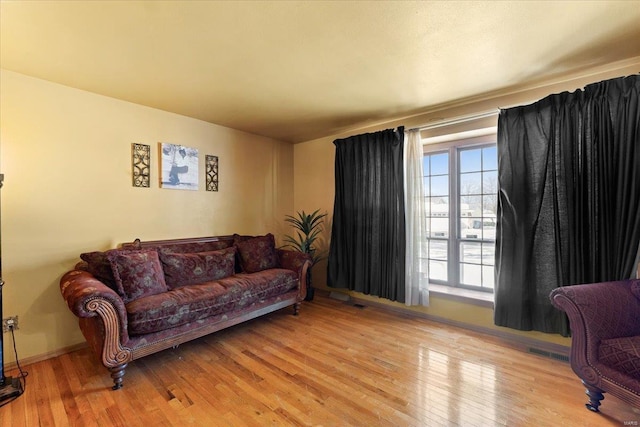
(145, 297)
(605, 337)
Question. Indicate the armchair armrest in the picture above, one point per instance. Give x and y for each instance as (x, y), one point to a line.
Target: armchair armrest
(607, 309)
(597, 312)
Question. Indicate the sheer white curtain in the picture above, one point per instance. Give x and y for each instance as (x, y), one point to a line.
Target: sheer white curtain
(416, 273)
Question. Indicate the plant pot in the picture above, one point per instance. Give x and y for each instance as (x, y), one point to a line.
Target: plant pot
(310, 290)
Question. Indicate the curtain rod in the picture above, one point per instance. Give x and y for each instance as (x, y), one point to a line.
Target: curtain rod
(469, 117)
(459, 119)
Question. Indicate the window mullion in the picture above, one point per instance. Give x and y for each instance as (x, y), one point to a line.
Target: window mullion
(454, 212)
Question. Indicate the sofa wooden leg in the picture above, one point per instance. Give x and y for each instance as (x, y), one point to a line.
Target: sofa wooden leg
(296, 308)
(595, 396)
(117, 373)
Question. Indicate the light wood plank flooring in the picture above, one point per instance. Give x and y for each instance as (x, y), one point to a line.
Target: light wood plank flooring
(334, 365)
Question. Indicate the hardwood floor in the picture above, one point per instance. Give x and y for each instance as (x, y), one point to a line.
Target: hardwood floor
(334, 365)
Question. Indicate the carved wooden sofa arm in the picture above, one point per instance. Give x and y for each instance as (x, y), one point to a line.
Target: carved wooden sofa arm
(300, 263)
(103, 319)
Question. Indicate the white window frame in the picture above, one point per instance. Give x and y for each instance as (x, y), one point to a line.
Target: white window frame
(452, 144)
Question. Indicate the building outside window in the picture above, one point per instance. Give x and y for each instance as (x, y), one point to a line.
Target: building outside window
(460, 185)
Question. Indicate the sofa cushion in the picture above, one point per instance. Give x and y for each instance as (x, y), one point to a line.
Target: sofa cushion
(189, 269)
(138, 274)
(635, 288)
(621, 354)
(257, 253)
(192, 303)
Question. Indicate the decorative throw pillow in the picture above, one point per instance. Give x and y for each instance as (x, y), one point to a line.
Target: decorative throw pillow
(138, 274)
(190, 268)
(258, 253)
(239, 238)
(99, 266)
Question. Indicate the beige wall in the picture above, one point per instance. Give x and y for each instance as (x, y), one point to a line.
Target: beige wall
(66, 156)
(314, 178)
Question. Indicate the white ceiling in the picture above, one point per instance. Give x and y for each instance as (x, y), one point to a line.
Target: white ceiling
(296, 71)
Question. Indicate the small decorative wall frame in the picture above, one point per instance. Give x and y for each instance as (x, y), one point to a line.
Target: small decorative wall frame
(141, 165)
(179, 167)
(211, 163)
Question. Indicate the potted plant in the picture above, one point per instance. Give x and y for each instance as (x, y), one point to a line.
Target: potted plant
(309, 227)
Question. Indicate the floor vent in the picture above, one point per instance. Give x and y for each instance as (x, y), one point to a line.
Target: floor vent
(549, 354)
(358, 305)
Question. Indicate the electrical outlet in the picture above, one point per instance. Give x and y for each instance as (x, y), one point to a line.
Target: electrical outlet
(9, 323)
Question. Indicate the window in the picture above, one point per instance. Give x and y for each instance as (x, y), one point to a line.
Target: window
(461, 181)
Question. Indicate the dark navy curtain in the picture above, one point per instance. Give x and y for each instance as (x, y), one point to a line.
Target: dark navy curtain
(569, 199)
(367, 250)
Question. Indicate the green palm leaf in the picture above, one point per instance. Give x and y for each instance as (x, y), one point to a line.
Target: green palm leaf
(308, 228)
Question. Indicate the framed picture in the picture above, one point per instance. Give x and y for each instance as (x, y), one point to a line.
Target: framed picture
(140, 165)
(211, 175)
(178, 167)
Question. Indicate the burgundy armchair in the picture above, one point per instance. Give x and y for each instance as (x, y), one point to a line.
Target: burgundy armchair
(605, 329)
